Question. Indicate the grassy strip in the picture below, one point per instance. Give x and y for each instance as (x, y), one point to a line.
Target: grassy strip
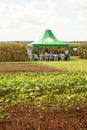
(74, 64)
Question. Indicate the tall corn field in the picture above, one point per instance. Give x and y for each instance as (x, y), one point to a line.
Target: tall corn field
(13, 52)
(18, 51)
(82, 51)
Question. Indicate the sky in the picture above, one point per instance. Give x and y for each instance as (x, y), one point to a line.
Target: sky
(26, 20)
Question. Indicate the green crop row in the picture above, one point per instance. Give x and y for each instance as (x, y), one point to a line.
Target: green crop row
(44, 90)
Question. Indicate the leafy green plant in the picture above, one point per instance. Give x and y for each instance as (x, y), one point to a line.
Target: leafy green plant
(43, 91)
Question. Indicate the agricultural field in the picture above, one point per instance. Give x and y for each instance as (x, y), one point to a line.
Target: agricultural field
(37, 100)
(74, 64)
(43, 95)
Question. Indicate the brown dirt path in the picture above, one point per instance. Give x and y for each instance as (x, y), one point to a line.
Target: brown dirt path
(27, 67)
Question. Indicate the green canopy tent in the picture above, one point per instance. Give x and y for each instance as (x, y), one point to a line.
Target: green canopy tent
(47, 40)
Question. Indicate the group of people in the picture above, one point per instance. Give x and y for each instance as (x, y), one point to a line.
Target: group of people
(49, 56)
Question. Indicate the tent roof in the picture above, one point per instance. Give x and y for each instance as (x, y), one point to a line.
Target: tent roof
(48, 39)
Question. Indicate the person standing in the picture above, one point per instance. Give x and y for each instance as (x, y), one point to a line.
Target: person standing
(66, 54)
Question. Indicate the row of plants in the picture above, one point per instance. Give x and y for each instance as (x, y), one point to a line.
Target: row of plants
(44, 91)
(18, 51)
(72, 46)
(13, 52)
(82, 51)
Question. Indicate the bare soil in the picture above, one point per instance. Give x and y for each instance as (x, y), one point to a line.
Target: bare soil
(27, 67)
(25, 118)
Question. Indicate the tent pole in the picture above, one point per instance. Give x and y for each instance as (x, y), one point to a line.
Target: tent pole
(69, 52)
(32, 53)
